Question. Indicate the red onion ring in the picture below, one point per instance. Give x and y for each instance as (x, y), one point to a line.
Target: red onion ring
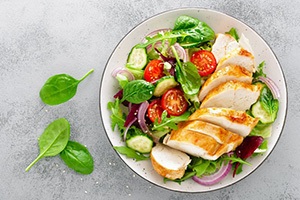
(127, 128)
(271, 85)
(216, 177)
(123, 71)
(180, 51)
(141, 116)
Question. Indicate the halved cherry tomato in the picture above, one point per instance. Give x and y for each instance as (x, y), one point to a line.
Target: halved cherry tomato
(154, 70)
(173, 102)
(205, 62)
(155, 110)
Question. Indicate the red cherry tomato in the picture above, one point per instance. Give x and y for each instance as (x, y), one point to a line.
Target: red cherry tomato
(173, 102)
(154, 70)
(155, 110)
(205, 62)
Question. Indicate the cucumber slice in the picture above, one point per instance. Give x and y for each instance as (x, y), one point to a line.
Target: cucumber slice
(259, 112)
(137, 58)
(164, 84)
(140, 143)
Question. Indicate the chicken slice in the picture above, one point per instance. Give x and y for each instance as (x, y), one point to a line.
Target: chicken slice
(228, 73)
(202, 139)
(235, 121)
(224, 44)
(238, 56)
(232, 94)
(169, 162)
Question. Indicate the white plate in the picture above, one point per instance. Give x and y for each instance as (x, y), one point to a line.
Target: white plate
(219, 22)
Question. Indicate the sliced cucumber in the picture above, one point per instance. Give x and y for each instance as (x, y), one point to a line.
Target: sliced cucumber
(137, 58)
(140, 143)
(164, 84)
(259, 112)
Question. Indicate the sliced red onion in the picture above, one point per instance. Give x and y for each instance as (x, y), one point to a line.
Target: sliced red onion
(141, 116)
(123, 71)
(273, 87)
(216, 177)
(180, 51)
(127, 128)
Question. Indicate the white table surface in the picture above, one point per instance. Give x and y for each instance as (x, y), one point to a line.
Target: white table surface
(41, 38)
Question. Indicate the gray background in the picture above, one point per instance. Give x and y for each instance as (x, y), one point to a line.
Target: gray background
(41, 38)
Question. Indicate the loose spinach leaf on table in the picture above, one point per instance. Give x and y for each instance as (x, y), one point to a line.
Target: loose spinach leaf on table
(137, 91)
(53, 140)
(60, 88)
(77, 157)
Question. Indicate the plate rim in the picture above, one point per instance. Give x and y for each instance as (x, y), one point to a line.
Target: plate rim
(199, 9)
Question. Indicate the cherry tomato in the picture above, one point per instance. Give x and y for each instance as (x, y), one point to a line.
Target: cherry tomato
(205, 62)
(154, 70)
(155, 110)
(173, 102)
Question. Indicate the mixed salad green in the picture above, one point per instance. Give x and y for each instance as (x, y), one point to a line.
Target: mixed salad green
(159, 88)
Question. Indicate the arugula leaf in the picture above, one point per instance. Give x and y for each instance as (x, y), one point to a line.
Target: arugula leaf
(117, 117)
(233, 33)
(169, 122)
(260, 71)
(130, 153)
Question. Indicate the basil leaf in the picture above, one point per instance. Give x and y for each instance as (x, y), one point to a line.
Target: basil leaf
(130, 153)
(53, 140)
(77, 157)
(189, 78)
(233, 33)
(137, 91)
(60, 88)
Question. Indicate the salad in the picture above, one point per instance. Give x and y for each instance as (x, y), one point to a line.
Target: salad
(193, 102)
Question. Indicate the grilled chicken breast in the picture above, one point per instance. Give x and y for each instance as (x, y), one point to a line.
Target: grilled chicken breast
(202, 139)
(224, 44)
(235, 121)
(169, 162)
(232, 94)
(238, 56)
(228, 73)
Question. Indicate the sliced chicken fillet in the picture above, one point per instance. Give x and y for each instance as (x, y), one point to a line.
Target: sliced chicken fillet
(232, 94)
(235, 121)
(202, 139)
(228, 73)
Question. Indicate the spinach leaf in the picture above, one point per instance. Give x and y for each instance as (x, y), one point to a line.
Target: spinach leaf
(60, 88)
(193, 31)
(53, 140)
(233, 33)
(260, 71)
(77, 157)
(188, 32)
(187, 75)
(269, 104)
(137, 91)
(130, 153)
(169, 122)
